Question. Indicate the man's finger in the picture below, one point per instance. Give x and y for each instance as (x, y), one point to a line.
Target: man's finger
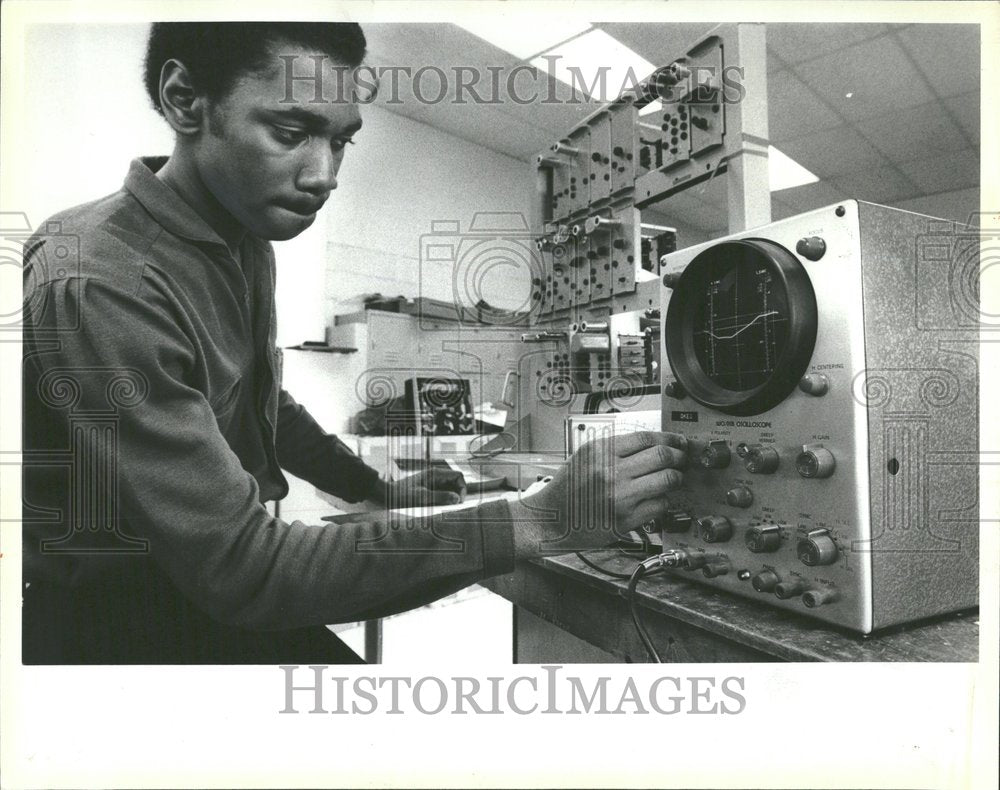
(632, 443)
(652, 459)
(438, 497)
(653, 486)
(648, 511)
(447, 480)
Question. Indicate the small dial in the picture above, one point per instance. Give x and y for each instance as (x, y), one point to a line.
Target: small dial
(761, 539)
(716, 455)
(817, 548)
(761, 460)
(715, 529)
(815, 461)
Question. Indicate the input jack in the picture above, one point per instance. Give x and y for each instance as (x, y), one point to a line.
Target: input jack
(788, 589)
(818, 597)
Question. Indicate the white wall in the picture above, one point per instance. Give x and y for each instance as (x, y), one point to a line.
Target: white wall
(86, 115)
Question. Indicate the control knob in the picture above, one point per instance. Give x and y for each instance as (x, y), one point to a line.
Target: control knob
(739, 496)
(715, 529)
(817, 548)
(677, 522)
(814, 384)
(765, 581)
(761, 460)
(815, 461)
(716, 455)
(761, 539)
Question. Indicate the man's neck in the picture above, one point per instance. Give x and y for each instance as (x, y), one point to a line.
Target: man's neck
(181, 176)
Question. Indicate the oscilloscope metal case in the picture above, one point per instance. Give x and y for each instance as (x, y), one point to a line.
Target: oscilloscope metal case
(899, 347)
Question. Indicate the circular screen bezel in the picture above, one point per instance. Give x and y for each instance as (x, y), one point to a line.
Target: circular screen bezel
(792, 363)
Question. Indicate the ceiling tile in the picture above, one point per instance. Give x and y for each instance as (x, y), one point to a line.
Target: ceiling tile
(809, 196)
(966, 110)
(833, 152)
(795, 43)
(943, 173)
(660, 44)
(793, 109)
(958, 205)
(877, 74)
(879, 185)
(948, 55)
(914, 133)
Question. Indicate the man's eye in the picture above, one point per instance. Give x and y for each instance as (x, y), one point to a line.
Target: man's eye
(339, 145)
(287, 135)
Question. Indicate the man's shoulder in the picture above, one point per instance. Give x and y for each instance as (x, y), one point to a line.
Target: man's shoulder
(106, 239)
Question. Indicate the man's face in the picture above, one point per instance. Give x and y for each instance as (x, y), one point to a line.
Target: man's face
(270, 162)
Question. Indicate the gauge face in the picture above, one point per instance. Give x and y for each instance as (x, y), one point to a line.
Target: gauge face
(741, 326)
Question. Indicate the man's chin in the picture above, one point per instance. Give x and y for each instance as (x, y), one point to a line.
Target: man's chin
(285, 228)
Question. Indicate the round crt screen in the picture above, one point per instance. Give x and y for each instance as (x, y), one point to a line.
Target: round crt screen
(740, 322)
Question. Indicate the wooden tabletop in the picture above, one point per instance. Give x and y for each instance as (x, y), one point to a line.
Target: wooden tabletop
(694, 622)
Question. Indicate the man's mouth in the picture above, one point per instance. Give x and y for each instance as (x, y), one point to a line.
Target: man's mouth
(305, 208)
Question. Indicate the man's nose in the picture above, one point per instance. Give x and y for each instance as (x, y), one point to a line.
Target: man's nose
(319, 173)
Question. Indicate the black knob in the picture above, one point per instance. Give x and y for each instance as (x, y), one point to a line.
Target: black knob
(715, 529)
(817, 548)
(762, 539)
(811, 248)
(761, 460)
(716, 455)
(677, 522)
(765, 581)
(674, 389)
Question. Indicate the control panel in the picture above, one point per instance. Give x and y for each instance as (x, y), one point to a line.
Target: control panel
(766, 337)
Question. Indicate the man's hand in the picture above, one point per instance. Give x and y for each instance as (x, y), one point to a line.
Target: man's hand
(433, 486)
(606, 489)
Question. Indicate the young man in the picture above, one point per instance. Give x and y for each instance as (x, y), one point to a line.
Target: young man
(155, 423)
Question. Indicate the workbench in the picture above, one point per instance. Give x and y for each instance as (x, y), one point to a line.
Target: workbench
(567, 612)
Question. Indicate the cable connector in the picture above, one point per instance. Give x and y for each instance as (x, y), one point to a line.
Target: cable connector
(671, 558)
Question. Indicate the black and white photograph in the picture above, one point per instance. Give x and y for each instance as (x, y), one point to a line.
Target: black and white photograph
(411, 382)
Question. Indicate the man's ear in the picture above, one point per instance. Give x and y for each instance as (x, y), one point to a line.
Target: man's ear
(183, 108)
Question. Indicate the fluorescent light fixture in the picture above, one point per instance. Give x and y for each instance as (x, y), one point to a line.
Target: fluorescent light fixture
(784, 172)
(523, 38)
(600, 65)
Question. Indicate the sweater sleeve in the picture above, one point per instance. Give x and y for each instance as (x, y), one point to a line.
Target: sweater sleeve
(182, 488)
(318, 457)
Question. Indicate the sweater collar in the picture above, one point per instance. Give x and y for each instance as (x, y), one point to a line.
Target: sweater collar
(166, 206)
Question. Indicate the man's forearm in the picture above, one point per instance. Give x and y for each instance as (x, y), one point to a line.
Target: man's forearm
(320, 458)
